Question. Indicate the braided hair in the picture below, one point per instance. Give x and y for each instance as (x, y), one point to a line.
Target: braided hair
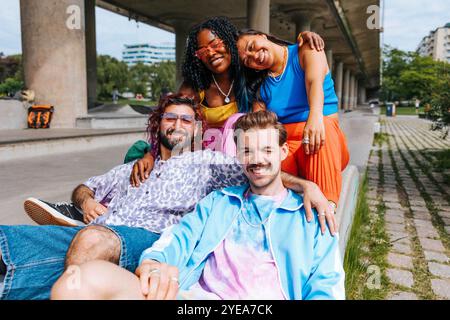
(197, 75)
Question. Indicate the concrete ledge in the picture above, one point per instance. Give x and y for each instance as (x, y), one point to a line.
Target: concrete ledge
(347, 205)
(20, 149)
(112, 122)
(14, 114)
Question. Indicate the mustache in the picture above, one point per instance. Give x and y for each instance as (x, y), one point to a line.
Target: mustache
(258, 166)
(172, 131)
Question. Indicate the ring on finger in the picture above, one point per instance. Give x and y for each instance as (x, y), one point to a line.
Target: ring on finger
(305, 141)
(155, 272)
(174, 279)
(322, 214)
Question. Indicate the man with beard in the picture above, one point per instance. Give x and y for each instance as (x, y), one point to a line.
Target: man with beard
(127, 220)
(245, 242)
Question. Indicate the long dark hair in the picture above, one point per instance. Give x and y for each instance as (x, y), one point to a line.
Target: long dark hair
(154, 119)
(255, 78)
(199, 77)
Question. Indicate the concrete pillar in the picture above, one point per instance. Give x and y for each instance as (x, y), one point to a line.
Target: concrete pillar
(362, 94)
(355, 94)
(329, 54)
(346, 90)
(258, 15)
(338, 82)
(182, 29)
(91, 52)
(302, 22)
(54, 56)
(351, 92)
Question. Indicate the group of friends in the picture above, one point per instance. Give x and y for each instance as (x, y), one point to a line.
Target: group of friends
(210, 206)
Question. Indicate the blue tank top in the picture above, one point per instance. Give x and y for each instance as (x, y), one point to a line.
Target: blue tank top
(286, 95)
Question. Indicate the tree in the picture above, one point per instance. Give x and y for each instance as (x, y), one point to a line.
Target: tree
(407, 75)
(140, 77)
(163, 78)
(111, 73)
(11, 74)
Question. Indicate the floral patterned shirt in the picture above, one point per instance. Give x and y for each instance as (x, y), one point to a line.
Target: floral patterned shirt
(172, 189)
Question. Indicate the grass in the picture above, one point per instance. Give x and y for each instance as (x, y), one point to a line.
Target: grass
(404, 111)
(367, 231)
(442, 164)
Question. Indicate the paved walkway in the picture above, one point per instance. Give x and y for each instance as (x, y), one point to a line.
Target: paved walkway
(414, 202)
(50, 178)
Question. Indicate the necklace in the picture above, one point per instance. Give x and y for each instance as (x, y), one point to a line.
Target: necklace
(227, 96)
(285, 55)
(244, 211)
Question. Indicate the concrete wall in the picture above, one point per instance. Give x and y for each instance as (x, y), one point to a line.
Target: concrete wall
(13, 114)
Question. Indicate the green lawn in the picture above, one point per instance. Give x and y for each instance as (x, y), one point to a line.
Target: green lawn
(404, 111)
(442, 164)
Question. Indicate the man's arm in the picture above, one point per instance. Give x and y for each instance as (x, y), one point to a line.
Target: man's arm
(83, 198)
(312, 198)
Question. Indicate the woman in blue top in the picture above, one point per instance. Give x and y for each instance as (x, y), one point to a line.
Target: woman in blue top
(295, 83)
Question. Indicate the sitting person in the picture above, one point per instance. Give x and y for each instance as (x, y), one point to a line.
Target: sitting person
(131, 218)
(246, 242)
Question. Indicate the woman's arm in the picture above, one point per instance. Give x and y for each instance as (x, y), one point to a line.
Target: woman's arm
(315, 66)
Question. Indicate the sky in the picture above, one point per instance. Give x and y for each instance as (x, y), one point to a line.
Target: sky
(406, 23)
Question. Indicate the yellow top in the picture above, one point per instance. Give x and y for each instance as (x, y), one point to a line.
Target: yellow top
(216, 117)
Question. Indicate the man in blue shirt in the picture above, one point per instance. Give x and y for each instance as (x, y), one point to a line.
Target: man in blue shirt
(247, 242)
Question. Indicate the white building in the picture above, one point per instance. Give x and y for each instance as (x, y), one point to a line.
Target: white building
(436, 44)
(148, 53)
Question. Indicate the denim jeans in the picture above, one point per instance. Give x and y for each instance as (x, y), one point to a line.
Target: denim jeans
(35, 256)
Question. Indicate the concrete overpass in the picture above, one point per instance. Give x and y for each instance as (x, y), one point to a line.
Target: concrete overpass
(60, 56)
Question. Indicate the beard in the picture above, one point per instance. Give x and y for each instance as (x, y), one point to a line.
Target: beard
(179, 142)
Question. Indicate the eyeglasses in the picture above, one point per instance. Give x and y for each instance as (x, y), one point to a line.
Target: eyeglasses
(173, 117)
(214, 45)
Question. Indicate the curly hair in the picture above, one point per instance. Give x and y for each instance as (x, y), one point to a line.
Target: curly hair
(154, 119)
(197, 75)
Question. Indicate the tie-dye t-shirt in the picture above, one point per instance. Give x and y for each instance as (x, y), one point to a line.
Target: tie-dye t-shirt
(242, 266)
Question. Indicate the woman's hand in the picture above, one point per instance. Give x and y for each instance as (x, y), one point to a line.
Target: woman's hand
(141, 170)
(314, 133)
(313, 39)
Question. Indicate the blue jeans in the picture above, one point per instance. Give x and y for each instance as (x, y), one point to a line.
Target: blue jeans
(35, 256)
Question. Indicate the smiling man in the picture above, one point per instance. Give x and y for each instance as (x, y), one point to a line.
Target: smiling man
(247, 242)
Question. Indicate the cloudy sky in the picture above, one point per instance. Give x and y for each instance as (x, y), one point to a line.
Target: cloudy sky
(406, 23)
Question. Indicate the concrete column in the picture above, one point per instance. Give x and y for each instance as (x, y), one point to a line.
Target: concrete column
(91, 52)
(346, 90)
(351, 92)
(362, 94)
(182, 29)
(329, 54)
(302, 22)
(338, 82)
(355, 94)
(258, 15)
(54, 56)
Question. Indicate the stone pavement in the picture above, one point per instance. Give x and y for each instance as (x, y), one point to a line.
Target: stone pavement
(415, 205)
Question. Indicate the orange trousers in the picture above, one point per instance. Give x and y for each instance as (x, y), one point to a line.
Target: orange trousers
(325, 167)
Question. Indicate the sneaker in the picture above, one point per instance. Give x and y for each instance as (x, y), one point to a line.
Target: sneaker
(60, 214)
